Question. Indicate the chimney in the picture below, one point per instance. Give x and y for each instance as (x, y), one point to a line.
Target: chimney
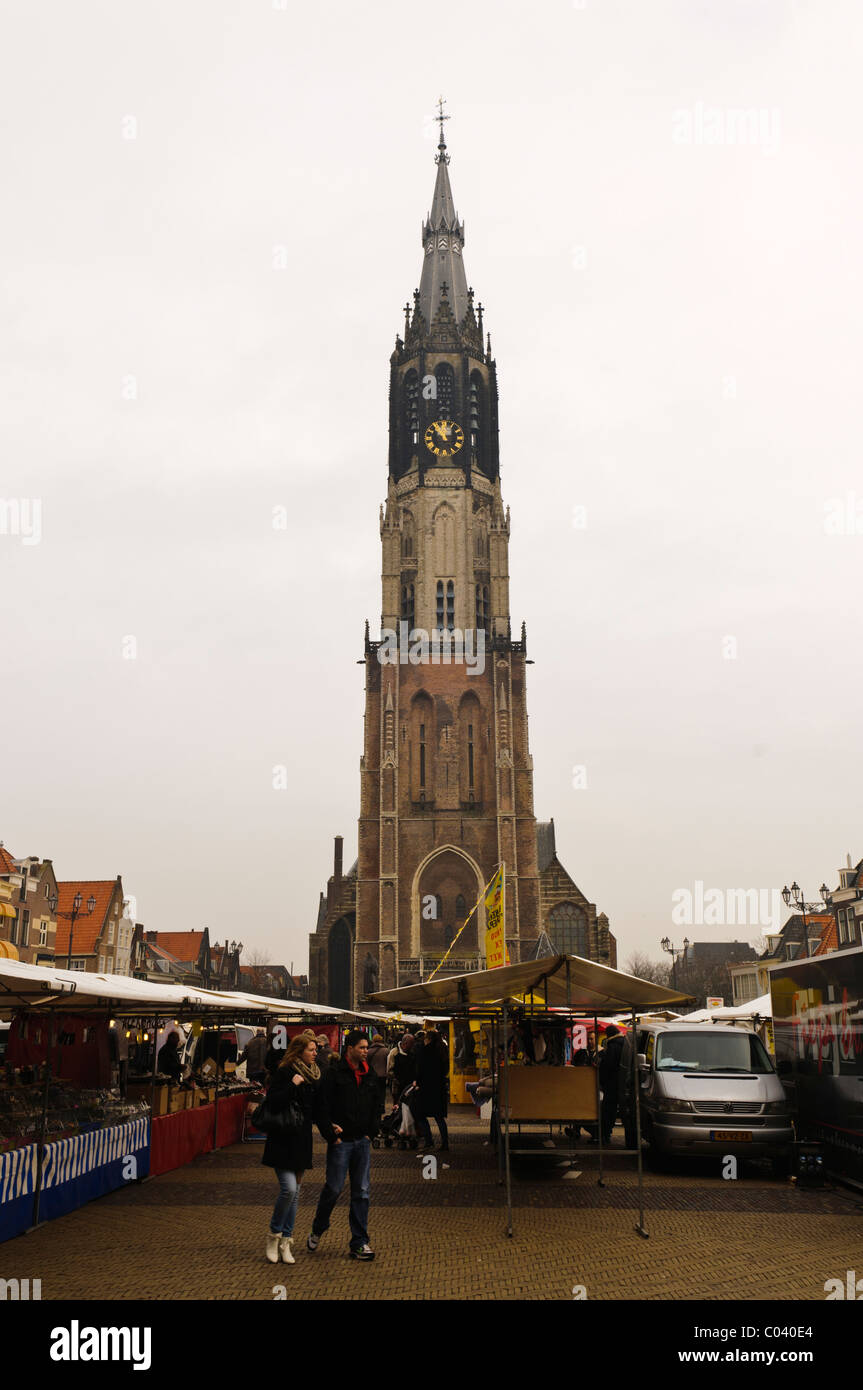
(337, 859)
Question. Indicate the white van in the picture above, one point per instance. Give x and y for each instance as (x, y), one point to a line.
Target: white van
(708, 1090)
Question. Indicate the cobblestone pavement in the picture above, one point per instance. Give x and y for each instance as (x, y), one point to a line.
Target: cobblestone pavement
(199, 1233)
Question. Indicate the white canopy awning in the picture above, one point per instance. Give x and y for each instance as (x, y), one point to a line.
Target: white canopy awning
(586, 987)
(75, 991)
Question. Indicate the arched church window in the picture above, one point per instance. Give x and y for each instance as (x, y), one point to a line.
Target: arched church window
(445, 390)
(460, 907)
(439, 606)
(567, 928)
(475, 410)
(408, 604)
(482, 607)
(410, 396)
(450, 605)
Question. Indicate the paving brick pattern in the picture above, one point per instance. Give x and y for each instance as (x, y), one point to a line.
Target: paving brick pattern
(199, 1233)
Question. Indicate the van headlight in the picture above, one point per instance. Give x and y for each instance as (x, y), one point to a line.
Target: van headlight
(675, 1106)
(776, 1107)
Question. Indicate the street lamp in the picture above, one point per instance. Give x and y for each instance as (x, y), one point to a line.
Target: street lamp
(72, 917)
(795, 894)
(674, 952)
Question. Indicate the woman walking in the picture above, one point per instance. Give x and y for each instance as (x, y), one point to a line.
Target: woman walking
(296, 1080)
(432, 1074)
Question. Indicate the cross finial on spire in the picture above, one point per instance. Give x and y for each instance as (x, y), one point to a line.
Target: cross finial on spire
(441, 143)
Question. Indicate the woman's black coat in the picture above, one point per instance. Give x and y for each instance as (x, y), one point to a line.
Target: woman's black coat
(432, 1074)
(292, 1151)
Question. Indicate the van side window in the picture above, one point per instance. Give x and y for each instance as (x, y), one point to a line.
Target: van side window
(648, 1050)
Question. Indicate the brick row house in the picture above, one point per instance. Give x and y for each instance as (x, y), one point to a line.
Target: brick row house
(88, 935)
(28, 891)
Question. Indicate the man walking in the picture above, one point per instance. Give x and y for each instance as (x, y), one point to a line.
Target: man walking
(348, 1118)
(609, 1079)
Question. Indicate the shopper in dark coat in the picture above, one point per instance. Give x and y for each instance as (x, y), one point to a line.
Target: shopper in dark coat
(609, 1079)
(401, 1066)
(432, 1074)
(297, 1078)
(169, 1058)
(349, 1094)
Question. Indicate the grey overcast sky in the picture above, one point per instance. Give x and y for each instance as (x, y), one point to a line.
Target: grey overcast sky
(211, 222)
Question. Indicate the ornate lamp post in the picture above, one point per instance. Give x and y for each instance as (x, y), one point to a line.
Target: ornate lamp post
(72, 917)
(795, 894)
(674, 952)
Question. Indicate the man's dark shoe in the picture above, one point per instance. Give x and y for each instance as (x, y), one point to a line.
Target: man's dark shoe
(313, 1241)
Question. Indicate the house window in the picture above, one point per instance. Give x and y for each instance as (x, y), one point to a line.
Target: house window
(78, 963)
(110, 933)
(43, 932)
(25, 925)
(101, 964)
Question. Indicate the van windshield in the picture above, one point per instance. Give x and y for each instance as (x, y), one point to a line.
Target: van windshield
(720, 1049)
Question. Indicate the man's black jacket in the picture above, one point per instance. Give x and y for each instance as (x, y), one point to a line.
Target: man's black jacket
(342, 1101)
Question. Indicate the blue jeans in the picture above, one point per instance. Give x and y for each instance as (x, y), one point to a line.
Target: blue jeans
(285, 1210)
(354, 1157)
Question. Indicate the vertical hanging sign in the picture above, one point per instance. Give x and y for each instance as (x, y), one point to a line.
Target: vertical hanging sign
(495, 936)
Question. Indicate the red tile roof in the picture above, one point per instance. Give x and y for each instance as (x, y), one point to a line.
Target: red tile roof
(183, 945)
(829, 939)
(7, 863)
(88, 926)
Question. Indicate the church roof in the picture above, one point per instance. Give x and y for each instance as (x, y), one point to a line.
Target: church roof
(443, 278)
(545, 847)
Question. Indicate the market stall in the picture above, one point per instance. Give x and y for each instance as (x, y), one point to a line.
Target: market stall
(567, 987)
(83, 1105)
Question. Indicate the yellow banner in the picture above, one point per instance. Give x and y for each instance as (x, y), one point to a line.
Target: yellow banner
(495, 932)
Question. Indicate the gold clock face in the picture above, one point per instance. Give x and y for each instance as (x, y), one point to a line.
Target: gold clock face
(444, 438)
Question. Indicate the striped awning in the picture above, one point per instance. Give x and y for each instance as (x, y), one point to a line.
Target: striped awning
(8, 951)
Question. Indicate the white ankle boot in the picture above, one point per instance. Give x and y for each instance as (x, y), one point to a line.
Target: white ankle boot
(273, 1242)
(285, 1250)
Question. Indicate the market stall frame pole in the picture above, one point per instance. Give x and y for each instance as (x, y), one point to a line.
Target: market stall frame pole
(506, 1123)
(495, 1101)
(640, 1228)
(43, 1120)
(600, 1181)
(216, 1103)
(153, 1085)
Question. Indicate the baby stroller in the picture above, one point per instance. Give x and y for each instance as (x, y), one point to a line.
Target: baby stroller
(399, 1126)
(390, 1126)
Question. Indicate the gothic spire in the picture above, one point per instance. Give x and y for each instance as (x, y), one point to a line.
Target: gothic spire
(443, 245)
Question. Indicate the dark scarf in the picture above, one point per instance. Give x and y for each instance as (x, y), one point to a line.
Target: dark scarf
(312, 1073)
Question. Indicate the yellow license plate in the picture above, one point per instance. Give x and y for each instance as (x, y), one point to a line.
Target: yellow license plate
(727, 1136)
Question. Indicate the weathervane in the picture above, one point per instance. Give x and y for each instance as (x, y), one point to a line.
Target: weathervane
(442, 143)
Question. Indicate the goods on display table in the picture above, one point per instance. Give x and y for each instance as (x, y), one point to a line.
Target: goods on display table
(94, 1141)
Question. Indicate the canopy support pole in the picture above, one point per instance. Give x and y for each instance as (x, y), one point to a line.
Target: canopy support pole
(153, 1081)
(636, 1083)
(506, 1123)
(216, 1105)
(43, 1120)
(599, 1182)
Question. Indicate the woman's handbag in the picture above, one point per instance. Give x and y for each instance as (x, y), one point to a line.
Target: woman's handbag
(279, 1123)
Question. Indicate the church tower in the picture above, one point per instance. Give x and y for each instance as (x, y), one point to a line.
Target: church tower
(446, 773)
